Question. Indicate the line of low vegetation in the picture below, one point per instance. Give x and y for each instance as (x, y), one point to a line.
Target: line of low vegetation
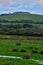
(20, 30)
(22, 34)
(22, 21)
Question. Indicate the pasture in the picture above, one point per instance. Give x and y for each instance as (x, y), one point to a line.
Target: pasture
(21, 16)
(5, 61)
(7, 47)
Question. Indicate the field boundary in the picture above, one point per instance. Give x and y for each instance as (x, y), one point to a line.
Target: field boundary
(20, 37)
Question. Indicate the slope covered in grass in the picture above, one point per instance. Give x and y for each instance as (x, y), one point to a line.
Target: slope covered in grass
(21, 16)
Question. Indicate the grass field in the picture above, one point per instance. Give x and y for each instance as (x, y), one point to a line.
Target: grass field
(5, 61)
(6, 47)
(21, 16)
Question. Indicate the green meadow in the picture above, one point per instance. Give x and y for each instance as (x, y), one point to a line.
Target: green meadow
(6, 46)
(6, 61)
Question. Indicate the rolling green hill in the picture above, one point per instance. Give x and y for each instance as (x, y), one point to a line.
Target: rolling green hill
(21, 16)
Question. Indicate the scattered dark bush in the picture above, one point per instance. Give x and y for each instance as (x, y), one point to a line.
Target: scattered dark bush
(41, 52)
(23, 50)
(34, 51)
(31, 47)
(26, 56)
(15, 50)
(36, 48)
(18, 44)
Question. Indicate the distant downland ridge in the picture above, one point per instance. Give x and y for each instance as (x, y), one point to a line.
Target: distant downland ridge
(17, 16)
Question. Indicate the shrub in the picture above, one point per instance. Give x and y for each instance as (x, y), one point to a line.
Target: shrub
(36, 48)
(15, 50)
(31, 47)
(41, 52)
(26, 56)
(18, 44)
(34, 51)
(23, 50)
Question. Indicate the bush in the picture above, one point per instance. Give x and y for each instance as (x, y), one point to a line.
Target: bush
(41, 52)
(18, 44)
(26, 56)
(23, 50)
(31, 47)
(36, 48)
(15, 50)
(34, 51)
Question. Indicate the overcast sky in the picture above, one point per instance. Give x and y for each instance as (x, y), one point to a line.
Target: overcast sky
(33, 6)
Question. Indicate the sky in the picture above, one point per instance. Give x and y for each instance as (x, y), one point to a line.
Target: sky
(32, 6)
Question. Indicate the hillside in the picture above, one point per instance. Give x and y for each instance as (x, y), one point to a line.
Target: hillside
(21, 23)
(21, 16)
